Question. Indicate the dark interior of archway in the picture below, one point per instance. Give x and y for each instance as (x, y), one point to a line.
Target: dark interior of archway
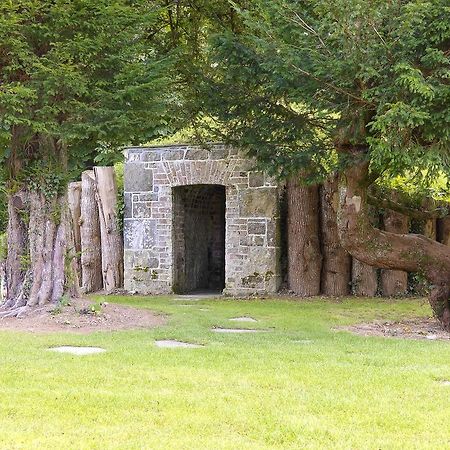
(198, 238)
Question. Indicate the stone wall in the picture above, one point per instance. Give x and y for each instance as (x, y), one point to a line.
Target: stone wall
(150, 227)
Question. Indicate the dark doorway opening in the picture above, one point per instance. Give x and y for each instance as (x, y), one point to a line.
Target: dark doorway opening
(198, 238)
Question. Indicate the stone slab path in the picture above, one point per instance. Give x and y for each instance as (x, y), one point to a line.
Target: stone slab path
(176, 344)
(79, 351)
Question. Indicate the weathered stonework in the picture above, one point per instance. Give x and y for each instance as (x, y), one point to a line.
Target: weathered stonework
(153, 218)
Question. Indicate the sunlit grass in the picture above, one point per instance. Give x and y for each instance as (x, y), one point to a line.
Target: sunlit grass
(298, 385)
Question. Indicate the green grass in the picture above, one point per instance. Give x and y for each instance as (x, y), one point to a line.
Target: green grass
(245, 391)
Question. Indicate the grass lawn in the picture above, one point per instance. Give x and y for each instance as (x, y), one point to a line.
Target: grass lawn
(331, 390)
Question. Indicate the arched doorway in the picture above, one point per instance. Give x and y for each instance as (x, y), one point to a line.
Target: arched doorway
(198, 238)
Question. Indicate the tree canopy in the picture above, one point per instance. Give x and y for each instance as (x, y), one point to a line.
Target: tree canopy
(301, 79)
(81, 75)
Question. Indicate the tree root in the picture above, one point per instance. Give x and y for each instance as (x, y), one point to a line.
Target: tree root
(15, 312)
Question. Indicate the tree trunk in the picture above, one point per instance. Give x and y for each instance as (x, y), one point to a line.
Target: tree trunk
(39, 266)
(364, 279)
(394, 282)
(443, 230)
(74, 202)
(91, 253)
(111, 237)
(336, 268)
(386, 250)
(304, 257)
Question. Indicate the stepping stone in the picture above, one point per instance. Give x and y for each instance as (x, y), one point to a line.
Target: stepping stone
(235, 330)
(176, 344)
(79, 351)
(243, 319)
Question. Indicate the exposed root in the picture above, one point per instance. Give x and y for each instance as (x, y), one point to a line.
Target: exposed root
(15, 312)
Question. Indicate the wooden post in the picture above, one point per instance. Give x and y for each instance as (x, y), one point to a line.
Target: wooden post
(91, 255)
(74, 203)
(111, 237)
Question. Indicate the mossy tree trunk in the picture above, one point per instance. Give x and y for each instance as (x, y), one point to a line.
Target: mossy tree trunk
(336, 267)
(41, 262)
(41, 259)
(386, 250)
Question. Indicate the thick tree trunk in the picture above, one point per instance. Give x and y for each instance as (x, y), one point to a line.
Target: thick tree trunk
(91, 253)
(364, 279)
(40, 253)
(385, 250)
(111, 237)
(394, 282)
(74, 202)
(336, 268)
(304, 257)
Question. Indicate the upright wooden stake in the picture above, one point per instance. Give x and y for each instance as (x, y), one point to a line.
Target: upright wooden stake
(74, 203)
(111, 238)
(91, 255)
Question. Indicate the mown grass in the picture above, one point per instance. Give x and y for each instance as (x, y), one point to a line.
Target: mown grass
(247, 391)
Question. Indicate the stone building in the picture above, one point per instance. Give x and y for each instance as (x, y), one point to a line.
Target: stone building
(199, 219)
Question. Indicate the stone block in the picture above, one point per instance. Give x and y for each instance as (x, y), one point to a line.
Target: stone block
(127, 209)
(256, 179)
(197, 154)
(151, 155)
(172, 154)
(139, 234)
(142, 210)
(262, 202)
(257, 228)
(137, 178)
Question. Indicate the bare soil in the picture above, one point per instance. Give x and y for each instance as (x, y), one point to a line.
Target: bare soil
(418, 328)
(79, 317)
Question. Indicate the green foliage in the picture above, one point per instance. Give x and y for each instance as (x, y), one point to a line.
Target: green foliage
(118, 169)
(300, 80)
(3, 246)
(78, 78)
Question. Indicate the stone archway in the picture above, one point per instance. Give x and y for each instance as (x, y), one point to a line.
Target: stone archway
(252, 248)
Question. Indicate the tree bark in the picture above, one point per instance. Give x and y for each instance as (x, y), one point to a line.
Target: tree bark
(443, 230)
(40, 253)
(394, 282)
(91, 253)
(364, 279)
(336, 267)
(304, 257)
(74, 202)
(111, 237)
(386, 250)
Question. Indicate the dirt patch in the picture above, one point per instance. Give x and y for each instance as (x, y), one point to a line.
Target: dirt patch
(419, 328)
(83, 316)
